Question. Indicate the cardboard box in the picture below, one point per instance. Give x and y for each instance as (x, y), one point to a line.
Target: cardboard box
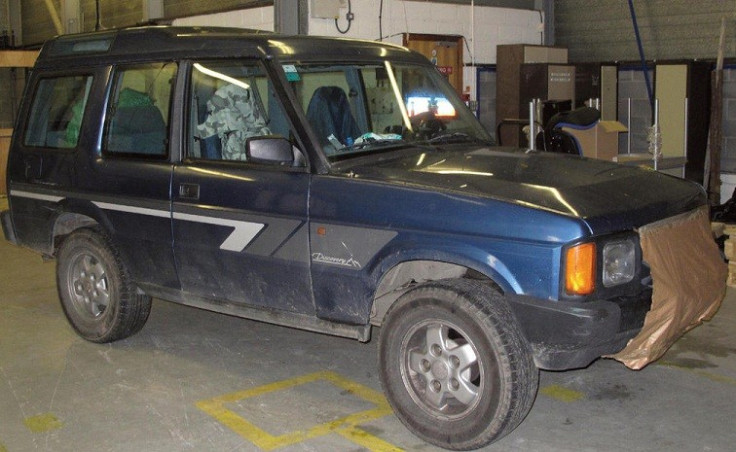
(599, 141)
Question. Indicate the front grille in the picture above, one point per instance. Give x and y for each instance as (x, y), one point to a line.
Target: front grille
(633, 310)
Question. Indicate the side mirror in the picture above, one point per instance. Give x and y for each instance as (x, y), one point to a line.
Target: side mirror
(269, 149)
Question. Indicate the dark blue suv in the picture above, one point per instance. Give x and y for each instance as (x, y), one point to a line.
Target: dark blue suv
(329, 185)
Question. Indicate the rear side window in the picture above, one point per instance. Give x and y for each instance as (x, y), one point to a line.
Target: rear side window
(57, 111)
(137, 121)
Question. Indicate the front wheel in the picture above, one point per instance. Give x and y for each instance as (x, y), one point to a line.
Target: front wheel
(454, 364)
(96, 293)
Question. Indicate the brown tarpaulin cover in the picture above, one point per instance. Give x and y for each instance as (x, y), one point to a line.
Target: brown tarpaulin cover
(689, 278)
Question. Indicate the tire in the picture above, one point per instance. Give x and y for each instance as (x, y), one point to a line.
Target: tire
(455, 365)
(96, 294)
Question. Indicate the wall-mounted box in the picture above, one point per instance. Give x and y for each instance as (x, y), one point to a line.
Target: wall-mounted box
(325, 9)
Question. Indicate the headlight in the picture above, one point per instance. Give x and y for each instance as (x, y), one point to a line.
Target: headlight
(619, 263)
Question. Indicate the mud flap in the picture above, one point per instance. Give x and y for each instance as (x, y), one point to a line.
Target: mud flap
(689, 278)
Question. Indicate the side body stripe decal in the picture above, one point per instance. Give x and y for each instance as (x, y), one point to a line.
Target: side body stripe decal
(243, 231)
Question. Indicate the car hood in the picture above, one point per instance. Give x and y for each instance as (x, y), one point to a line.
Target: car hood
(608, 196)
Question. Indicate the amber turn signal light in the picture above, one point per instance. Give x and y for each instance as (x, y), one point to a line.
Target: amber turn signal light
(580, 269)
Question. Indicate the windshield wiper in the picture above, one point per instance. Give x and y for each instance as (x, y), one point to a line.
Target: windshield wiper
(455, 137)
(377, 143)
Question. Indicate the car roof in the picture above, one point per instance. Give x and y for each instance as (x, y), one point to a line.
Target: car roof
(166, 42)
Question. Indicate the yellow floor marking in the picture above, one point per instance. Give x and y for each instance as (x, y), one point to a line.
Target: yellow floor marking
(708, 375)
(345, 426)
(365, 439)
(562, 393)
(2, 448)
(43, 423)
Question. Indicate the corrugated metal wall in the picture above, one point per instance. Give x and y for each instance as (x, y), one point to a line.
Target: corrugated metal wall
(42, 26)
(4, 19)
(112, 14)
(38, 22)
(601, 30)
(182, 8)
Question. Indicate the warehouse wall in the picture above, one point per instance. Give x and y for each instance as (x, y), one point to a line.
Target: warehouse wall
(482, 27)
(261, 18)
(41, 23)
(112, 14)
(4, 19)
(601, 30)
(47, 23)
(7, 113)
(181, 8)
(10, 79)
(42, 26)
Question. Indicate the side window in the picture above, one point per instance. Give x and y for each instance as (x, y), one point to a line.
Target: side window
(231, 102)
(56, 114)
(137, 122)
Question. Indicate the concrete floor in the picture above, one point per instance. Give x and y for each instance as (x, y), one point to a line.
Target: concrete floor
(195, 380)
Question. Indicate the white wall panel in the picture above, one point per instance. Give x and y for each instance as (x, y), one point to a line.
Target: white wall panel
(259, 18)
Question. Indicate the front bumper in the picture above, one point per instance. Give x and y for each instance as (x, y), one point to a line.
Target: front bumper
(8, 230)
(569, 335)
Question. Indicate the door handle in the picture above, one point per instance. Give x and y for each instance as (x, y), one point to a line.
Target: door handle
(189, 191)
(32, 167)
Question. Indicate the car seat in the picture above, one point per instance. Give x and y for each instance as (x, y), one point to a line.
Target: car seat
(233, 117)
(137, 125)
(329, 114)
(554, 139)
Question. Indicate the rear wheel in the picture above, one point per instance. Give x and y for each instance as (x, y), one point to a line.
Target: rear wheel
(98, 298)
(455, 365)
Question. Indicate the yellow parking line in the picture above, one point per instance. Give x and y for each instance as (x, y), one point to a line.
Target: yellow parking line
(345, 426)
(2, 448)
(43, 423)
(365, 439)
(562, 393)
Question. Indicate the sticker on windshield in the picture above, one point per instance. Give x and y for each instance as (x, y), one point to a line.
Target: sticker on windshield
(291, 74)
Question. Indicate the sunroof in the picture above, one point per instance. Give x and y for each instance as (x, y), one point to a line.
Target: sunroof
(74, 45)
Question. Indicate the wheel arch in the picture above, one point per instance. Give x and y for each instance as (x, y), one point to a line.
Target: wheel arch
(402, 271)
(74, 215)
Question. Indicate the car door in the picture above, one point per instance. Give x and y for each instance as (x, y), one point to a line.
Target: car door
(239, 226)
(41, 165)
(130, 179)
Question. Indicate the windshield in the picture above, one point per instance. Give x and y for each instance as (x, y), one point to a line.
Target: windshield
(359, 109)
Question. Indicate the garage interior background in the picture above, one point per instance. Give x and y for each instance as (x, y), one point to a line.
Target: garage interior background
(599, 32)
